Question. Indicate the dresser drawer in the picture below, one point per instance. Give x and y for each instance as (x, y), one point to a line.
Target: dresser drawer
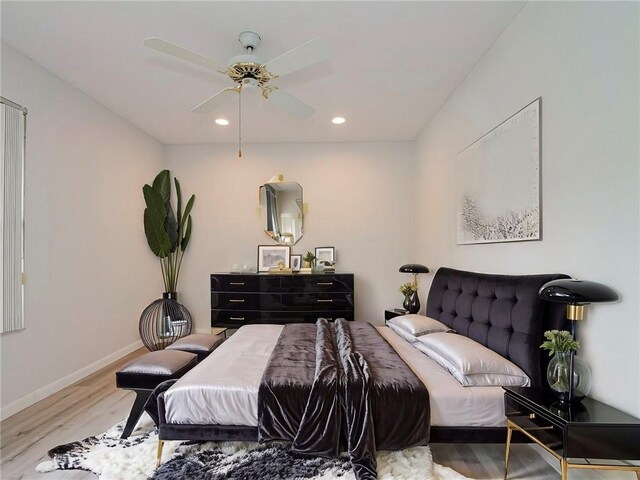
(336, 283)
(234, 318)
(244, 283)
(245, 301)
(317, 301)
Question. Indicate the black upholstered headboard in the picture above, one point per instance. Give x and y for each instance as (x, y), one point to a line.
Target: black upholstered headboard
(502, 312)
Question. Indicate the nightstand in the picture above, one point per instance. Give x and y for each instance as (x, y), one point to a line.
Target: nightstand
(589, 434)
(392, 313)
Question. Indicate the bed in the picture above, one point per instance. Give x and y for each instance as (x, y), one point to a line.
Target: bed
(219, 399)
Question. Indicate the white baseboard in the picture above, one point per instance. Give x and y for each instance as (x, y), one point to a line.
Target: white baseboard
(41, 393)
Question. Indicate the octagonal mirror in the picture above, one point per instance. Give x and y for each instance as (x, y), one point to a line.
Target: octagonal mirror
(281, 204)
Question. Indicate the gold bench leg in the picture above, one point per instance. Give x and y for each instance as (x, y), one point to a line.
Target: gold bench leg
(506, 455)
(159, 454)
(638, 474)
(563, 467)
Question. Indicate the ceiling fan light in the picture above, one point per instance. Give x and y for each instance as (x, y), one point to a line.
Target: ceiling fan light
(223, 122)
(338, 120)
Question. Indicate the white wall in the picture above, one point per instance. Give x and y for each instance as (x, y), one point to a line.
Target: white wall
(89, 271)
(359, 198)
(582, 59)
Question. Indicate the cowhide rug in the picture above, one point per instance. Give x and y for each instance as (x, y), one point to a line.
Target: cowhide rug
(111, 458)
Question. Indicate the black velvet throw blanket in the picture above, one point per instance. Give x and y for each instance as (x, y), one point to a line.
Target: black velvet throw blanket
(334, 387)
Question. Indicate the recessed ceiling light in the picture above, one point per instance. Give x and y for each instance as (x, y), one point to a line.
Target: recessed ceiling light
(338, 120)
(223, 122)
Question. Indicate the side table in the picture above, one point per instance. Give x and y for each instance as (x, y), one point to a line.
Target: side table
(393, 312)
(585, 435)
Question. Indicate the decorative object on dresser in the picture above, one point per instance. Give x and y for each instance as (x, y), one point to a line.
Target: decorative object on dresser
(603, 436)
(488, 208)
(168, 235)
(281, 207)
(326, 255)
(273, 256)
(413, 302)
(296, 262)
(241, 299)
(576, 294)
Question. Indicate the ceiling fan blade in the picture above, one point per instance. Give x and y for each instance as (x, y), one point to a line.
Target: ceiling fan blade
(181, 53)
(290, 104)
(307, 54)
(211, 102)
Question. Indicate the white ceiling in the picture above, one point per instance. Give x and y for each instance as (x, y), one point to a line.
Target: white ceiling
(394, 63)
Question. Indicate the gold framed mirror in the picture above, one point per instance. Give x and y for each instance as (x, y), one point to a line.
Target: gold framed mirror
(282, 211)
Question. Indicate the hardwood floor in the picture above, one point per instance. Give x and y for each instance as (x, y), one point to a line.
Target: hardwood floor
(94, 404)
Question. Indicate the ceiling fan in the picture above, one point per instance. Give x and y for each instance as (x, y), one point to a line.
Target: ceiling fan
(249, 72)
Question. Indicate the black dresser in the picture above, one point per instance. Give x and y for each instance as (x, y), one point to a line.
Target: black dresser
(246, 298)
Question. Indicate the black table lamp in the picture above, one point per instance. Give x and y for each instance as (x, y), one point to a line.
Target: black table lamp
(414, 268)
(577, 294)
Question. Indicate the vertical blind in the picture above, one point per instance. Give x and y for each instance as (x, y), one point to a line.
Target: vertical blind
(12, 146)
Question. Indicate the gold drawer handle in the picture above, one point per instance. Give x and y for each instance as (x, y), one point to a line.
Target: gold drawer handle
(324, 301)
(532, 416)
(236, 318)
(324, 283)
(236, 283)
(236, 301)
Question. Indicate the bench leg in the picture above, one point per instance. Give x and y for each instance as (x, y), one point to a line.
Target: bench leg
(159, 453)
(136, 411)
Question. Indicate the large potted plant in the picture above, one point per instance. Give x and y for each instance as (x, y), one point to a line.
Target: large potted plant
(168, 232)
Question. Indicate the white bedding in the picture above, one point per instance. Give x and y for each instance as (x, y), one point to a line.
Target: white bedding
(223, 389)
(451, 403)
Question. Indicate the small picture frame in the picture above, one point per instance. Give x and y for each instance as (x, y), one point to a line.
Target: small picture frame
(296, 262)
(325, 254)
(272, 255)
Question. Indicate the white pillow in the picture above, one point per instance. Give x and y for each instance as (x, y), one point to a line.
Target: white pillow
(402, 332)
(418, 325)
(471, 363)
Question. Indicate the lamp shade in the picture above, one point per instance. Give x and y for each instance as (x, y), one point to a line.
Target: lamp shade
(413, 268)
(577, 292)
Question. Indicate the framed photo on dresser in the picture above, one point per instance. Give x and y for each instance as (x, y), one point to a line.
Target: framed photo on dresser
(296, 262)
(272, 255)
(326, 254)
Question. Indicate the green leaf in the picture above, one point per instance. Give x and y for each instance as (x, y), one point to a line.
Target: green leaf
(179, 197)
(162, 185)
(187, 208)
(157, 237)
(154, 201)
(171, 226)
(187, 235)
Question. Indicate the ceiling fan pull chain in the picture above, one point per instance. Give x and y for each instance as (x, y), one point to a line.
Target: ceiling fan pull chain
(240, 123)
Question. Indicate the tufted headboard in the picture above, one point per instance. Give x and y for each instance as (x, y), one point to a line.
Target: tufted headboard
(502, 312)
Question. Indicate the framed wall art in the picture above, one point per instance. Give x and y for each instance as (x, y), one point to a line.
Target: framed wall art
(498, 182)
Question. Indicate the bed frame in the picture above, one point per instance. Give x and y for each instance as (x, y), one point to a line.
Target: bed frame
(502, 312)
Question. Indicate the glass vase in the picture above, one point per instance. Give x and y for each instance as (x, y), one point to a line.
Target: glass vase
(558, 374)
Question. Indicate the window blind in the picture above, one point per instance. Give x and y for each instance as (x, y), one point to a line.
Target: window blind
(12, 149)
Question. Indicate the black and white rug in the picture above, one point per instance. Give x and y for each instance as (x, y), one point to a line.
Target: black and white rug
(111, 458)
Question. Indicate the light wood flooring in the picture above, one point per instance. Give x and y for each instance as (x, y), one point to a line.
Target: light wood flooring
(94, 404)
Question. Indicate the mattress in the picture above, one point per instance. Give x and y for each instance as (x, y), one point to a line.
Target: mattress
(223, 388)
